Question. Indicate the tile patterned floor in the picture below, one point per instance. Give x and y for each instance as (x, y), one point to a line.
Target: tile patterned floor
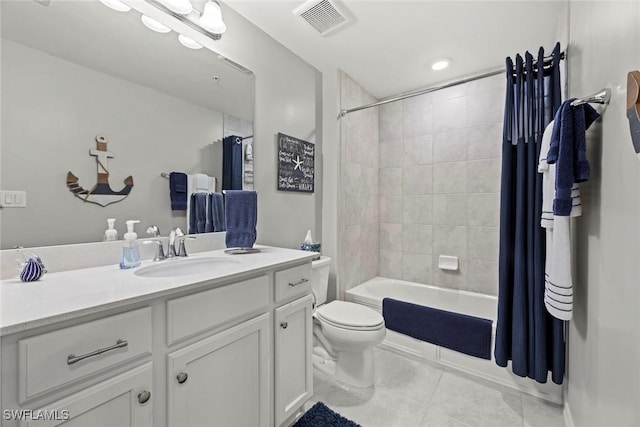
(409, 393)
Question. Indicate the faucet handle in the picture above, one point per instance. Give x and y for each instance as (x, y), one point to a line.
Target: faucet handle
(159, 255)
(182, 249)
(153, 230)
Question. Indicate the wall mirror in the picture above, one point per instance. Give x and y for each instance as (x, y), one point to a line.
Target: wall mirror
(72, 70)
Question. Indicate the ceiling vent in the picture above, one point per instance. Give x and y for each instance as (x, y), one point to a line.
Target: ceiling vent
(323, 15)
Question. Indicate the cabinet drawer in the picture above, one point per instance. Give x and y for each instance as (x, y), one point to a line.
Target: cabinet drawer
(293, 282)
(60, 357)
(189, 315)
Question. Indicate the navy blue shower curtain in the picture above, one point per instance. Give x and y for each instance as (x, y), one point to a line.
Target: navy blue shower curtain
(526, 334)
(232, 163)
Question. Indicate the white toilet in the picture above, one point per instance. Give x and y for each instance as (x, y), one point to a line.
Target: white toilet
(344, 333)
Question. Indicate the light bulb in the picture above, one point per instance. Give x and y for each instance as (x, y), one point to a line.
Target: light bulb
(182, 7)
(116, 5)
(189, 42)
(211, 19)
(154, 25)
(440, 64)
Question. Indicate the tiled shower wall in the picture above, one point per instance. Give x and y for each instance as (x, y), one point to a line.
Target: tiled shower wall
(358, 219)
(439, 178)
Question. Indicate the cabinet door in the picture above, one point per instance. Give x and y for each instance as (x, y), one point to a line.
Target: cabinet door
(222, 380)
(123, 401)
(293, 368)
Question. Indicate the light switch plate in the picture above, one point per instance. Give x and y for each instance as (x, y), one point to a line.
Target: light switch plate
(13, 199)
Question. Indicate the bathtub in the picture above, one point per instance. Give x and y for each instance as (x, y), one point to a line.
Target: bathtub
(371, 293)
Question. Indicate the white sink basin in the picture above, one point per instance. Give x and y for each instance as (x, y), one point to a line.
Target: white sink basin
(184, 267)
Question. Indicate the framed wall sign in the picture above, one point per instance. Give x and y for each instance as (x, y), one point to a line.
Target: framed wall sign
(295, 164)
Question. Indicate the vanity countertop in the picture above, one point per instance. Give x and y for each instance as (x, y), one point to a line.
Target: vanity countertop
(70, 294)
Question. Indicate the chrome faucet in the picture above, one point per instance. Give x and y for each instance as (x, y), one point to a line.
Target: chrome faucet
(155, 232)
(182, 250)
(171, 252)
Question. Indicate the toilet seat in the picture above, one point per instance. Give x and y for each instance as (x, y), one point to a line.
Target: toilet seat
(349, 315)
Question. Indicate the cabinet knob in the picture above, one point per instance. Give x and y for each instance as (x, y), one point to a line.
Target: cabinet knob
(144, 396)
(284, 325)
(182, 377)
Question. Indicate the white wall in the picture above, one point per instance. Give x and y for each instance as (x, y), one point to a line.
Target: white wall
(52, 111)
(285, 102)
(604, 336)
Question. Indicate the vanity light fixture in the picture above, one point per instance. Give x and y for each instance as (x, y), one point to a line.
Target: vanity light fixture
(440, 64)
(211, 19)
(188, 42)
(182, 7)
(154, 25)
(116, 5)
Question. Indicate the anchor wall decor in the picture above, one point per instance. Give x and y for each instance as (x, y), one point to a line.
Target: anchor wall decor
(101, 194)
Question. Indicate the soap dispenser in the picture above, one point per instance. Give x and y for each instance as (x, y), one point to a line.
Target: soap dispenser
(111, 233)
(131, 249)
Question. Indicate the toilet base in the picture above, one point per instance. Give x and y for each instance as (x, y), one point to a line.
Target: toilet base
(356, 369)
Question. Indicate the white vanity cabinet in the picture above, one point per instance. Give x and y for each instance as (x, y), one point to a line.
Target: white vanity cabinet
(232, 351)
(124, 401)
(293, 365)
(222, 380)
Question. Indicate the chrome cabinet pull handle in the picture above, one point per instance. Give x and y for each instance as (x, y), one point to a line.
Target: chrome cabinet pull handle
(182, 377)
(284, 325)
(144, 396)
(72, 358)
(303, 280)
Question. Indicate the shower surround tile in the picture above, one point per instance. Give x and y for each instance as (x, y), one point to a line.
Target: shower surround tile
(450, 146)
(417, 238)
(450, 209)
(483, 209)
(359, 177)
(447, 145)
(417, 209)
(483, 176)
(417, 116)
(391, 237)
(391, 264)
(390, 181)
(484, 142)
(391, 209)
(450, 114)
(391, 121)
(417, 180)
(418, 150)
(391, 154)
(450, 178)
(416, 268)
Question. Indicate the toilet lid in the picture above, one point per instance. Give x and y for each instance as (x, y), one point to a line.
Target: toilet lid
(350, 315)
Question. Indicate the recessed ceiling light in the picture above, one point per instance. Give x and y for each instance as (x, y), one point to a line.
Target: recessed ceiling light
(116, 5)
(154, 25)
(440, 64)
(189, 42)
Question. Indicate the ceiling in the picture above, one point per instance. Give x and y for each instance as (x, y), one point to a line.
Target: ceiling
(91, 35)
(388, 46)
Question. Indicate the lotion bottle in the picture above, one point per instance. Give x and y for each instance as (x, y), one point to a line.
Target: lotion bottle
(111, 233)
(131, 248)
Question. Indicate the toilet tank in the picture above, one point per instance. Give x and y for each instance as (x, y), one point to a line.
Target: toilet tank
(320, 278)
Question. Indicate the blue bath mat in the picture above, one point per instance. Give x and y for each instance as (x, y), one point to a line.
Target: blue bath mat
(319, 415)
(466, 334)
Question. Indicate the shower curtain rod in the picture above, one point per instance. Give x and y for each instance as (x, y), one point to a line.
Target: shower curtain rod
(493, 72)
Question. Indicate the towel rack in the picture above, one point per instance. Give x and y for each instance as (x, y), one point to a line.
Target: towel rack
(601, 97)
(225, 191)
(165, 175)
